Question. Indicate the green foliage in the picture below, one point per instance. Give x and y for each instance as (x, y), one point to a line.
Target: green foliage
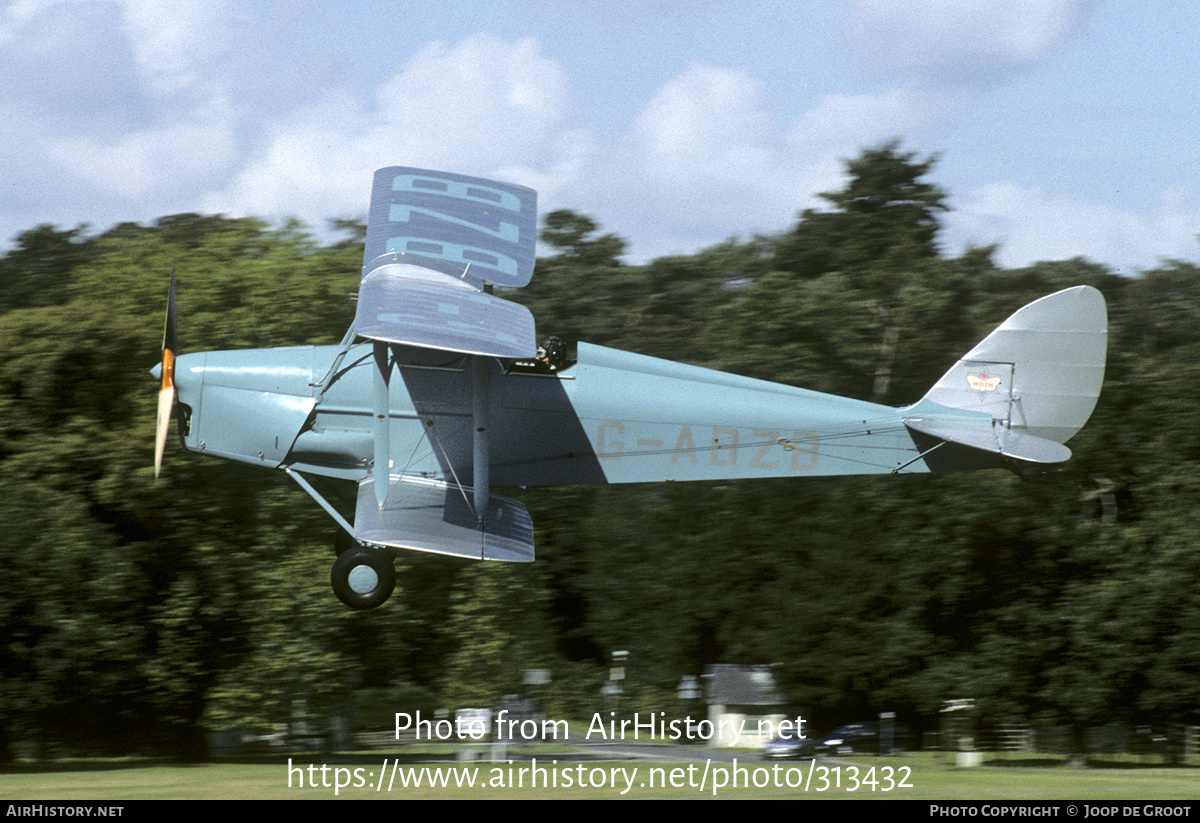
(135, 604)
(572, 235)
(885, 222)
(493, 616)
(37, 272)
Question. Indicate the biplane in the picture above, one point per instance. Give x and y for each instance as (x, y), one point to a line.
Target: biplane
(438, 393)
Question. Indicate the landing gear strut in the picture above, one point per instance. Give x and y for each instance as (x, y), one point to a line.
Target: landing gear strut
(363, 578)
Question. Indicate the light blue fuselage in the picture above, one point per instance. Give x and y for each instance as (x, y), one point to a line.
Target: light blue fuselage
(613, 417)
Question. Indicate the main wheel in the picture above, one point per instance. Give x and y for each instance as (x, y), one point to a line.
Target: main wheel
(363, 578)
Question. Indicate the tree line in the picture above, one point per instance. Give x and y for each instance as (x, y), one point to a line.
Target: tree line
(136, 616)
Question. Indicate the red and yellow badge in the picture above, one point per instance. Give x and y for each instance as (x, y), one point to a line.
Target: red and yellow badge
(981, 382)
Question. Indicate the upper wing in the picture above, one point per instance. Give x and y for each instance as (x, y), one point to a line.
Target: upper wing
(479, 230)
(435, 242)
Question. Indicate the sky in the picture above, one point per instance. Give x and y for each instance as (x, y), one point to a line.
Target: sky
(1061, 128)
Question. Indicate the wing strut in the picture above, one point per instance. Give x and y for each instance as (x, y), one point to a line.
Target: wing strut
(383, 422)
(908, 463)
(480, 399)
(321, 501)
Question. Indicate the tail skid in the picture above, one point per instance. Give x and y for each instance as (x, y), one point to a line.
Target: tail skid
(1029, 386)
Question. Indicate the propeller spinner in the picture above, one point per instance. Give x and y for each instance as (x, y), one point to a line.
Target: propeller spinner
(166, 392)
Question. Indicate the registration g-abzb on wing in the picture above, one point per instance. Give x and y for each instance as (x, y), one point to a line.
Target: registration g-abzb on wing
(439, 391)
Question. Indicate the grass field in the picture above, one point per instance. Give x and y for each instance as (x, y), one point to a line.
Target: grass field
(928, 777)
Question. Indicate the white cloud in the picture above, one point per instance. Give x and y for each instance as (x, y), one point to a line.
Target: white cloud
(844, 124)
(708, 123)
(478, 102)
(16, 14)
(67, 62)
(96, 127)
(709, 156)
(483, 106)
(179, 45)
(1031, 224)
(702, 160)
(962, 40)
(129, 109)
(152, 114)
(149, 164)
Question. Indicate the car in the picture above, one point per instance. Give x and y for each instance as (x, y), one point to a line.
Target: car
(854, 738)
(788, 745)
(859, 738)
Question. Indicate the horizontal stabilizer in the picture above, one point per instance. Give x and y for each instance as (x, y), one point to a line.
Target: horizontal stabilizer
(431, 516)
(414, 306)
(467, 227)
(993, 437)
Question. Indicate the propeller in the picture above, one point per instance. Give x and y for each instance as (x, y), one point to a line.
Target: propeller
(166, 392)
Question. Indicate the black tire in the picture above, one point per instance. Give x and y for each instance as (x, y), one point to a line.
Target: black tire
(363, 578)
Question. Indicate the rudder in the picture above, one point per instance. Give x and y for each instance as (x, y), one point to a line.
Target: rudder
(1039, 372)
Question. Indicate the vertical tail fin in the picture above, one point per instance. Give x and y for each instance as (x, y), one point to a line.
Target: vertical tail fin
(1038, 375)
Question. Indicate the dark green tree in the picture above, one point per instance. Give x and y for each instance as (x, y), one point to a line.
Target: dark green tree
(886, 216)
(574, 237)
(583, 291)
(37, 272)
